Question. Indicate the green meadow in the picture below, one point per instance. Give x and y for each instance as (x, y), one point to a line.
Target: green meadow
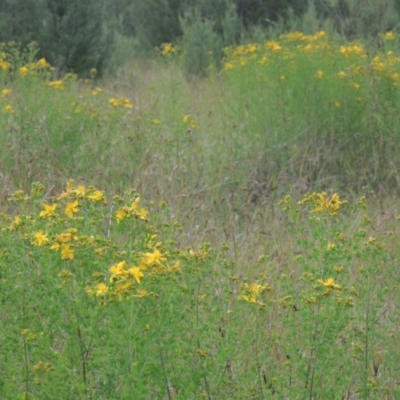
(227, 237)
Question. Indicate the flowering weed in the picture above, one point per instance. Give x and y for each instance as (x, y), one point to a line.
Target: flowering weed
(212, 289)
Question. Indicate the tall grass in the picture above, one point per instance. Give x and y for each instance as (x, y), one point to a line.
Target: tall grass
(206, 286)
(326, 106)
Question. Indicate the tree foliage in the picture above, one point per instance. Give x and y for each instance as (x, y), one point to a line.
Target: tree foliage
(78, 35)
(74, 37)
(21, 20)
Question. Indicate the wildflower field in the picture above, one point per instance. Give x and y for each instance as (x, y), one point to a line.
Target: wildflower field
(233, 237)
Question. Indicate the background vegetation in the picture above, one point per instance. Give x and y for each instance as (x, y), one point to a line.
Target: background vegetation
(77, 36)
(232, 228)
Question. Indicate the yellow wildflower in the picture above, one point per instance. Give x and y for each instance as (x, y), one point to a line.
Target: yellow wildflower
(42, 63)
(310, 299)
(114, 102)
(65, 274)
(176, 267)
(389, 35)
(329, 284)
(321, 34)
(126, 103)
(143, 214)
(79, 191)
(4, 65)
(123, 287)
(23, 71)
(251, 48)
(373, 241)
(96, 91)
(273, 45)
(142, 293)
(101, 290)
(28, 334)
(121, 214)
(40, 239)
(72, 208)
(5, 92)
(349, 50)
(167, 48)
(8, 109)
(308, 48)
(228, 66)
(324, 203)
(100, 251)
(202, 254)
(48, 211)
(96, 196)
(16, 222)
(120, 102)
(250, 293)
(201, 353)
(38, 366)
(154, 258)
(119, 268)
(58, 85)
(56, 246)
(335, 203)
(67, 237)
(66, 252)
(135, 204)
(136, 273)
(319, 74)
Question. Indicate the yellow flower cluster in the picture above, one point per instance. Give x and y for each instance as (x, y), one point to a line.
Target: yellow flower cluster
(190, 123)
(301, 37)
(168, 49)
(64, 227)
(96, 91)
(388, 36)
(43, 366)
(251, 293)
(23, 71)
(131, 211)
(5, 92)
(123, 280)
(41, 71)
(8, 109)
(4, 65)
(329, 285)
(120, 102)
(42, 63)
(28, 335)
(353, 49)
(58, 84)
(288, 52)
(321, 202)
(241, 55)
(10, 52)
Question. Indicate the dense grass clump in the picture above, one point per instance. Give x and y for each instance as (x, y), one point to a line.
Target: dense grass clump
(233, 269)
(323, 108)
(100, 300)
